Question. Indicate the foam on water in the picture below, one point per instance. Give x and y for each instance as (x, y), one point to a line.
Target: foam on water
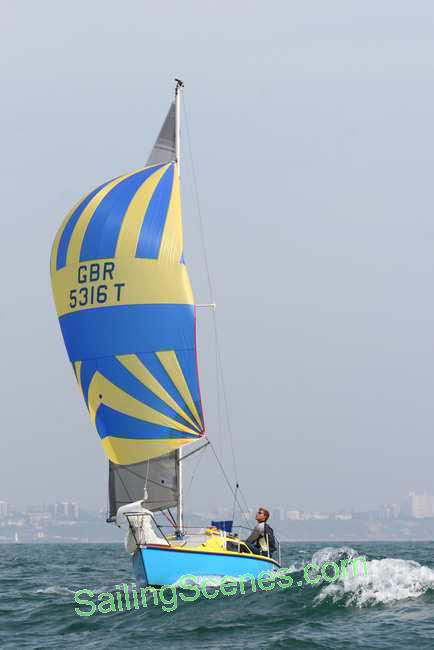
(376, 581)
(331, 554)
(56, 590)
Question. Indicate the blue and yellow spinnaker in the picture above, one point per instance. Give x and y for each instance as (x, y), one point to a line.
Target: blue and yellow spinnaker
(126, 312)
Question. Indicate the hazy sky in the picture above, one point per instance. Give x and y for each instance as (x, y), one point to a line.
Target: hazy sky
(313, 140)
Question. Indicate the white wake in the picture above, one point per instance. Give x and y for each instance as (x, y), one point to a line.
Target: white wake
(375, 581)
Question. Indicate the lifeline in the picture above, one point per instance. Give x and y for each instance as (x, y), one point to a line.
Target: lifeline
(126, 598)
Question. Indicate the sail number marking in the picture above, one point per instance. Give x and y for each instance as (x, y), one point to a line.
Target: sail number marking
(93, 293)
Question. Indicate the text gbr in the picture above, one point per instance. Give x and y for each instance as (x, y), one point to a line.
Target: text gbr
(95, 293)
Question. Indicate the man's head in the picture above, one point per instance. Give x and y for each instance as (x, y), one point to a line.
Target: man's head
(262, 515)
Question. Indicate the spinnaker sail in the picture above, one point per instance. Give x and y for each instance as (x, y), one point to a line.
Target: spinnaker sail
(126, 309)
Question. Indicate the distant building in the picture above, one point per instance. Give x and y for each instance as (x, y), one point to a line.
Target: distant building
(277, 514)
(420, 505)
(53, 509)
(389, 511)
(384, 513)
(365, 515)
(39, 519)
(4, 510)
(39, 535)
(294, 515)
(69, 510)
(321, 515)
(35, 509)
(301, 515)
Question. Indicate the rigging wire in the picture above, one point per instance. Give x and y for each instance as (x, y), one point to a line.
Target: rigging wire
(237, 485)
(211, 293)
(169, 519)
(196, 467)
(145, 493)
(234, 493)
(172, 517)
(244, 499)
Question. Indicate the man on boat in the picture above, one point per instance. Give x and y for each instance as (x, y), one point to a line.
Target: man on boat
(261, 539)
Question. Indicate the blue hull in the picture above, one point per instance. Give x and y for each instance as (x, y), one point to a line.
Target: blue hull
(157, 567)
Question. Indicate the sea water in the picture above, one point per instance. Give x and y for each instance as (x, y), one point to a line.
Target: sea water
(389, 603)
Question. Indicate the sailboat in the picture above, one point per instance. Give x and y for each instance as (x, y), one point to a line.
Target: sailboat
(128, 319)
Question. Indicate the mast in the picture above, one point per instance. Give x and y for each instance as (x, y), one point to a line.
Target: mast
(179, 508)
(179, 85)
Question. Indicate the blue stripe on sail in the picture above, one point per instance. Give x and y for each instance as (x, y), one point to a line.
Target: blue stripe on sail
(156, 368)
(151, 232)
(87, 371)
(103, 229)
(115, 372)
(62, 250)
(187, 361)
(112, 423)
(127, 329)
